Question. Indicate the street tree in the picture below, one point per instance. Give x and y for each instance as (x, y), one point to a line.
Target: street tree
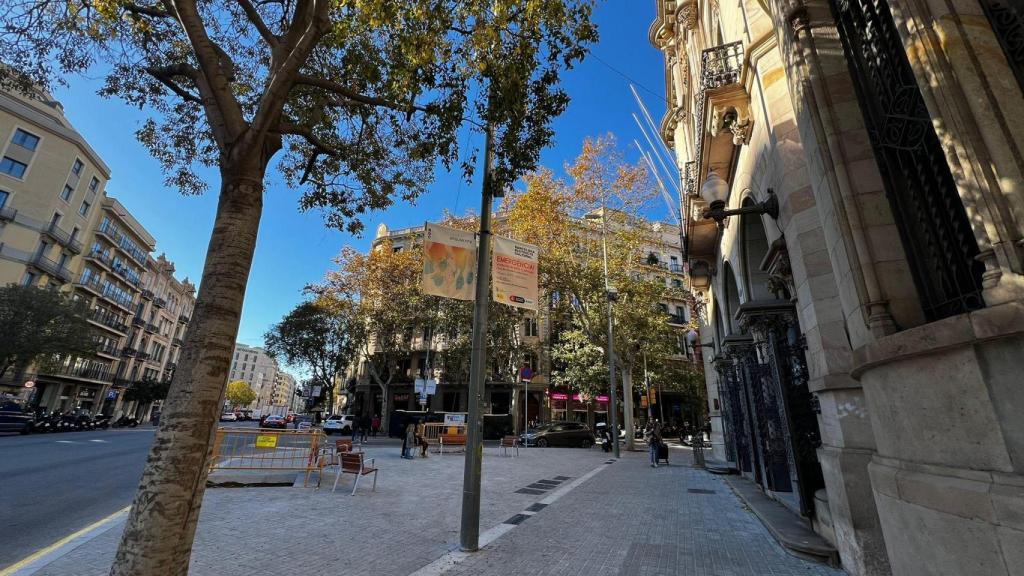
(363, 96)
(147, 390)
(384, 286)
(41, 325)
(323, 336)
(239, 394)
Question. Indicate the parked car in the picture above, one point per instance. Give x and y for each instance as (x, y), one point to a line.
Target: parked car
(572, 434)
(229, 417)
(274, 421)
(14, 418)
(341, 424)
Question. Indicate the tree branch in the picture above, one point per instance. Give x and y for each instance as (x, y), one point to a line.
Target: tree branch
(354, 96)
(166, 74)
(257, 21)
(319, 146)
(147, 11)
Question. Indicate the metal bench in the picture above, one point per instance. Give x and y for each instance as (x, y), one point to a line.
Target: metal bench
(355, 464)
(509, 443)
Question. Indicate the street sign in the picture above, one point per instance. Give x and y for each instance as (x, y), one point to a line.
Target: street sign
(419, 386)
(432, 386)
(526, 374)
(266, 441)
(454, 419)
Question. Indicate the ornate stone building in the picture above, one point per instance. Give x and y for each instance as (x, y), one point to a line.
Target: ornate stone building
(853, 173)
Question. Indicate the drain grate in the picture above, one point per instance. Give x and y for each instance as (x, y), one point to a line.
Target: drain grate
(529, 491)
(563, 478)
(551, 482)
(517, 519)
(699, 491)
(539, 486)
(536, 507)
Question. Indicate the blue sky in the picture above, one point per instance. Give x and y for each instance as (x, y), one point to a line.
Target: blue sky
(294, 248)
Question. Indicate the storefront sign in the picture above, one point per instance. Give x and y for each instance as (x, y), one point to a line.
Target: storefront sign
(454, 419)
(449, 262)
(514, 273)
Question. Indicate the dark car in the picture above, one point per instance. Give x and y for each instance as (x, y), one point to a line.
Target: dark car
(572, 434)
(274, 421)
(14, 418)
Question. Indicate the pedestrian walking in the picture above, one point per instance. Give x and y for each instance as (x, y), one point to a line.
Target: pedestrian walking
(409, 441)
(364, 429)
(421, 439)
(653, 437)
(375, 424)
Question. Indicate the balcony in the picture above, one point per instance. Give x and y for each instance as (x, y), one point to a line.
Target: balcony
(108, 320)
(89, 372)
(8, 214)
(183, 319)
(53, 269)
(121, 300)
(159, 302)
(142, 355)
(147, 294)
(123, 383)
(171, 366)
(127, 274)
(177, 342)
(151, 328)
(63, 238)
(138, 322)
(108, 349)
(100, 258)
(129, 352)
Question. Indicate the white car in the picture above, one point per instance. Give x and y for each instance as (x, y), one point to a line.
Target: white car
(229, 417)
(340, 424)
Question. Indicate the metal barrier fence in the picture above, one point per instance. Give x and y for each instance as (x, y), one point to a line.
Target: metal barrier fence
(432, 431)
(265, 449)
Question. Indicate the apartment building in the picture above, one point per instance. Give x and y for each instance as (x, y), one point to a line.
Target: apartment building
(254, 366)
(59, 230)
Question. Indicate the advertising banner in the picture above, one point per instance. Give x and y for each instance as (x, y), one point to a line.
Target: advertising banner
(449, 262)
(514, 273)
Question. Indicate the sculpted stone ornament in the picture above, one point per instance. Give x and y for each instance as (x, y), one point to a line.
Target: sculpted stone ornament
(686, 15)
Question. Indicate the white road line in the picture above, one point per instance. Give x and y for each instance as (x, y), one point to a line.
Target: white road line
(66, 442)
(450, 559)
(47, 555)
(100, 441)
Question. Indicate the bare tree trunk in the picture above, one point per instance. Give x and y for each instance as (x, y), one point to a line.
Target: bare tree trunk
(158, 536)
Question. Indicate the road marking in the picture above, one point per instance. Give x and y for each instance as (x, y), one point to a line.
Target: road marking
(100, 441)
(453, 557)
(43, 557)
(66, 442)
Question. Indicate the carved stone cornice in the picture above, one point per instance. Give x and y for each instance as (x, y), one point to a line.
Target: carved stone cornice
(737, 346)
(761, 317)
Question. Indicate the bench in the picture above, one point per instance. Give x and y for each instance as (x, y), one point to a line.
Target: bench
(355, 463)
(452, 440)
(507, 443)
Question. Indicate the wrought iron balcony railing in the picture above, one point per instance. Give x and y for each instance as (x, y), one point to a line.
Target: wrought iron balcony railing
(129, 352)
(52, 268)
(720, 66)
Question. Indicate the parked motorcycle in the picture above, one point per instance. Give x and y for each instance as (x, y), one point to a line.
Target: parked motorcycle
(101, 422)
(126, 421)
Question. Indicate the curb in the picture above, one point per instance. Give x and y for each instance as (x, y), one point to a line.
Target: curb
(41, 558)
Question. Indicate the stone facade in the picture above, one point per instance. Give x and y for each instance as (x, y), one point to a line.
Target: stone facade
(889, 132)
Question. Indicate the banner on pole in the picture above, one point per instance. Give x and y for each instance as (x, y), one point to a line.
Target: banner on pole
(514, 273)
(449, 262)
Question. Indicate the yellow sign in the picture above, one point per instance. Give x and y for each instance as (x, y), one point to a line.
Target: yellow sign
(643, 401)
(269, 441)
(654, 395)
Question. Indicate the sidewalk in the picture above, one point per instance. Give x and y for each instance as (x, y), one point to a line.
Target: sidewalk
(412, 521)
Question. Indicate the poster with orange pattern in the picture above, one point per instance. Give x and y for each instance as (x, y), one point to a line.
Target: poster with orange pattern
(449, 262)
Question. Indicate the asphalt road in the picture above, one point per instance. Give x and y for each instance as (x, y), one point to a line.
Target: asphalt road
(52, 485)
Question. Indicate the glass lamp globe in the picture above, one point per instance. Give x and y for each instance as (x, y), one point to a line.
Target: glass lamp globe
(715, 189)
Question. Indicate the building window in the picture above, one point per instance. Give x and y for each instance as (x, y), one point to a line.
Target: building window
(12, 167)
(25, 140)
(55, 220)
(66, 193)
(3, 198)
(28, 279)
(531, 327)
(94, 184)
(76, 169)
(84, 209)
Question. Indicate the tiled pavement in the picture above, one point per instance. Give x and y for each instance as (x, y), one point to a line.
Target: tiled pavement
(660, 527)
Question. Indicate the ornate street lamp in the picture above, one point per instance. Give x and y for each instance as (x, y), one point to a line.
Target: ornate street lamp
(715, 191)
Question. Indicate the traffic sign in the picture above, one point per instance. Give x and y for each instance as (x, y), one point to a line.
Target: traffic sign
(526, 374)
